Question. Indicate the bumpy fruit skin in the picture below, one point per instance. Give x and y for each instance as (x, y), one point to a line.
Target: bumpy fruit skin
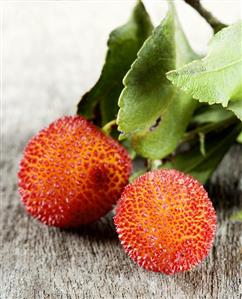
(165, 221)
(71, 173)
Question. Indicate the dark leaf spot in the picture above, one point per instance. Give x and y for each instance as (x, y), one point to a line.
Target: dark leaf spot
(156, 124)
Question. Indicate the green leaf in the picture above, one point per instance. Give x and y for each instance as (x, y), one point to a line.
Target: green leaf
(217, 78)
(152, 111)
(202, 143)
(237, 216)
(136, 174)
(239, 138)
(127, 144)
(208, 128)
(202, 166)
(211, 114)
(236, 107)
(123, 45)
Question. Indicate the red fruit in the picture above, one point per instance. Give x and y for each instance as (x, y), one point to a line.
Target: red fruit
(71, 173)
(165, 221)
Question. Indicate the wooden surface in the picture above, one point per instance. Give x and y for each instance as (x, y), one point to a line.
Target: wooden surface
(43, 76)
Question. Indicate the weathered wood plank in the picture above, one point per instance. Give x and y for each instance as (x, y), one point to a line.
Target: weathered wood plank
(42, 262)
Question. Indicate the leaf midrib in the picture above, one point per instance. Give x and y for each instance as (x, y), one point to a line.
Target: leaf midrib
(219, 69)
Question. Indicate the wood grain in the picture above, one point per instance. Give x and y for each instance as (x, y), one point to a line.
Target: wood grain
(41, 262)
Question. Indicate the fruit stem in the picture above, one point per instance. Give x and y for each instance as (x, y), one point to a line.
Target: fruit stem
(108, 127)
(212, 21)
(153, 164)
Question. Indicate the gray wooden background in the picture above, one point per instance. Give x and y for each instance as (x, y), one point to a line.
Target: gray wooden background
(51, 53)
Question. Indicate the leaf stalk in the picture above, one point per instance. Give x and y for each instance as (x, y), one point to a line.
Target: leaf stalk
(218, 126)
(212, 21)
(108, 127)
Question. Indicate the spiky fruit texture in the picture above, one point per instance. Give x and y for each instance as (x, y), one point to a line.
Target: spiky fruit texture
(71, 173)
(165, 221)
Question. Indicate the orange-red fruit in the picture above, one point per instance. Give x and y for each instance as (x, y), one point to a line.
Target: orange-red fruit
(71, 173)
(165, 221)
